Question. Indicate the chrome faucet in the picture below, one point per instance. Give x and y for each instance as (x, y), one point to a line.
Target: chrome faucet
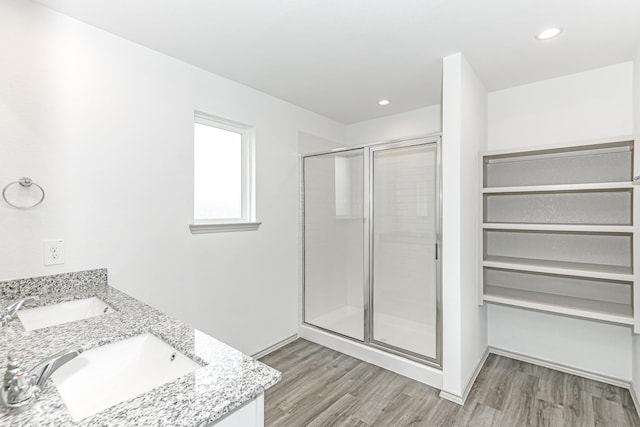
(21, 388)
(7, 313)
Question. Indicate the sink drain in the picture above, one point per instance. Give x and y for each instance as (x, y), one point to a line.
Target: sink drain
(172, 357)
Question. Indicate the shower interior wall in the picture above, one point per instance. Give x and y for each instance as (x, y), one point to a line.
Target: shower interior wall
(335, 264)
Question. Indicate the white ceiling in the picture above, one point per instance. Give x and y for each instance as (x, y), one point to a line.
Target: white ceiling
(339, 57)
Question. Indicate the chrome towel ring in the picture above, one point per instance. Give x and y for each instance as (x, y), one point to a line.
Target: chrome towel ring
(24, 182)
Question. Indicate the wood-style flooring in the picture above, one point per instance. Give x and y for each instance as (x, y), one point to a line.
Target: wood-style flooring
(321, 387)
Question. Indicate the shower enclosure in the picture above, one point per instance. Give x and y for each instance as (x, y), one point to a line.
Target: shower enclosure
(371, 237)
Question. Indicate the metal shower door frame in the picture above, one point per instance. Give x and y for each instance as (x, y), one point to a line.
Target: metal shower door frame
(369, 339)
(368, 247)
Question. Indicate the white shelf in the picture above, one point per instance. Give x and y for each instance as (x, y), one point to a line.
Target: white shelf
(599, 271)
(574, 206)
(572, 306)
(619, 141)
(583, 228)
(598, 186)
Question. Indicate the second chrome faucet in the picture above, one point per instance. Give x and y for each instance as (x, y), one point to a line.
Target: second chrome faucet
(7, 313)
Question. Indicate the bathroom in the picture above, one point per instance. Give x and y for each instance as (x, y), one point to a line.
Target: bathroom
(105, 126)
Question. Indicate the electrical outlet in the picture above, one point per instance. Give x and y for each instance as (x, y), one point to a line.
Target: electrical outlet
(53, 252)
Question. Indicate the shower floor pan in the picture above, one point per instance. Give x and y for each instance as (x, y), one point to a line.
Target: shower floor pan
(406, 334)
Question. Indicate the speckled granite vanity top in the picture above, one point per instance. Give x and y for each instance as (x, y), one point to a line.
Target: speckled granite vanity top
(226, 380)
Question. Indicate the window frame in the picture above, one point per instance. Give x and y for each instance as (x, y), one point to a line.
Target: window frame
(248, 208)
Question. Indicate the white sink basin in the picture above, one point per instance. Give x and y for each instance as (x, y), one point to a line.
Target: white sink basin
(56, 314)
(107, 375)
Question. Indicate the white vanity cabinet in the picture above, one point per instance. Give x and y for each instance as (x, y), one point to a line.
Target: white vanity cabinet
(251, 414)
(558, 230)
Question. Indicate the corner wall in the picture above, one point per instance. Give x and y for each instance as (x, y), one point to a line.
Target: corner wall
(464, 134)
(588, 105)
(420, 122)
(106, 127)
(635, 354)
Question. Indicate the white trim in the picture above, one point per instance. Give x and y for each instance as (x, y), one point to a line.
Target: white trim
(569, 228)
(451, 397)
(559, 269)
(222, 228)
(275, 347)
(248, 182)
(618, 382)
(564, 145)
(480, 232)
(634, 398)
(260, 410)
(461, 399)
(219, 122)
(636, 245)
(554, 306)
(476, 372)
(417, 371)
(300, 260)
(559, 188)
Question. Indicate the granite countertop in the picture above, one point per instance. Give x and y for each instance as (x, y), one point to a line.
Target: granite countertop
(226, 380)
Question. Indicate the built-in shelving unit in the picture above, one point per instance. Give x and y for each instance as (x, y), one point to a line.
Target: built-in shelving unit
(558, 230)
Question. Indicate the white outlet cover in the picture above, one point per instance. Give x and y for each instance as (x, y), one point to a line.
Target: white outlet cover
(53, 252)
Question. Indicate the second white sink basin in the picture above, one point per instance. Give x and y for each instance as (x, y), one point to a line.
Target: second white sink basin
(56, 314)
(113, 373)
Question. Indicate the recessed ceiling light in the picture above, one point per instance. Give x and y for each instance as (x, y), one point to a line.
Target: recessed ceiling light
(549, 33)
(384, 102)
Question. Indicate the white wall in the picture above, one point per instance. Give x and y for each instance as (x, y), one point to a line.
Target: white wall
(592, 104)
(464, 134)
(609, 355)
(106, 127)
(309, 144)
(635, 362)
(423, 121)
(588, 105)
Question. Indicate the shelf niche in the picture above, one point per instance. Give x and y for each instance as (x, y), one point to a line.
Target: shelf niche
(558, 231)
(611, 162)
(608, 207)
(572, 248)
(600, 299)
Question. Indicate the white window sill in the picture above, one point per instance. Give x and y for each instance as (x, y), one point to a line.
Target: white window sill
(204, 228)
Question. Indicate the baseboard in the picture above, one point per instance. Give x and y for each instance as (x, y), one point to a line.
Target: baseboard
(634, 397)
(562, 368)
(461, 399)
(451, 397)
(473, 378)
(275, 347)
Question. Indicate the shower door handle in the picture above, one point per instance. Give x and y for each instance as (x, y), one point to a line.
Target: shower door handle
(436, 251)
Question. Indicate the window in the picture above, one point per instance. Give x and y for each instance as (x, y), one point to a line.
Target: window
(223, 184)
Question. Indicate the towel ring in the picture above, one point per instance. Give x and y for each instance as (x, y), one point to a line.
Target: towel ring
(24, 182)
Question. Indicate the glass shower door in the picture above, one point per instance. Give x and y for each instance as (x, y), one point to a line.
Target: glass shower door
(404, 219)
(334, 242)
